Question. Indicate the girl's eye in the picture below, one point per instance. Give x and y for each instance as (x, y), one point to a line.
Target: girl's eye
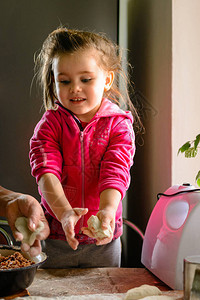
(65, 81)
(86, 79)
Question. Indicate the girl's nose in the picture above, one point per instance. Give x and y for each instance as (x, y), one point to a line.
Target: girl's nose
(74, 88)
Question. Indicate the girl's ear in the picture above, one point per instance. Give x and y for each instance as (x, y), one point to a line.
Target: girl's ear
(109, 81)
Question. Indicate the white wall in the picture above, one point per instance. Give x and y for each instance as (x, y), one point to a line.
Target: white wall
(185, 86)
(163, 38)
(164, 49)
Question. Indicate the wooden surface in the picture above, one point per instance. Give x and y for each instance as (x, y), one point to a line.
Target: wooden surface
(67, 282)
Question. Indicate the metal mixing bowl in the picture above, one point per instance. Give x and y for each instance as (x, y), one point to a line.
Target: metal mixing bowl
(13, 281)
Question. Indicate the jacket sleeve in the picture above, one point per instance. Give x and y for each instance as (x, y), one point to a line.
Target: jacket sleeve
(45, 153)
(118, 159)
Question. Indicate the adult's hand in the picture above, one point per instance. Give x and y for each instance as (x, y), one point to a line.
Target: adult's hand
(17, 205)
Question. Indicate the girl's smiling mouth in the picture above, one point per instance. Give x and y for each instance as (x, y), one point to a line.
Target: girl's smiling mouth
(77, 99)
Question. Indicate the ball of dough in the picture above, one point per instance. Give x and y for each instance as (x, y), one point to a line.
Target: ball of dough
(142, 291)
(94, 225)
(28, 236)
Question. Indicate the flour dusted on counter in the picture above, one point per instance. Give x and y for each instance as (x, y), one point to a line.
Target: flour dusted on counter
(79, 297)
(158, 297)
(95, 297)
(94, 224)
(28, 236)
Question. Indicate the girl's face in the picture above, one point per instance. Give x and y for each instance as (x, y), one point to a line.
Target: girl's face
(80, 82)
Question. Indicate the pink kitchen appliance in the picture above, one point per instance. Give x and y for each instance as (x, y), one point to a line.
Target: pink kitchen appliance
(172, 233)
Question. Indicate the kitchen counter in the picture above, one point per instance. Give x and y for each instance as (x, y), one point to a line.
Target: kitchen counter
(67, 282)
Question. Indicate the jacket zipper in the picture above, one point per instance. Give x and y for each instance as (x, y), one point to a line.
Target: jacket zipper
(82, 169)
(82, 176)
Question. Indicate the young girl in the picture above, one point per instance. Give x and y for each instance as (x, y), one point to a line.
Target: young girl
(82, 148)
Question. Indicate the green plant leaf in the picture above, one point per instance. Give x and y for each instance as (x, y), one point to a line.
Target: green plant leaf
(196, 142)
(198, 178)
(191, 152)
(185, 147)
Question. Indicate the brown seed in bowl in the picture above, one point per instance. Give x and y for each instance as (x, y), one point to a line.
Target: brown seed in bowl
(16, 260)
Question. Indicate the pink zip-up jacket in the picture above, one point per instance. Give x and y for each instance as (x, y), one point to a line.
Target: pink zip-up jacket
(86, 161)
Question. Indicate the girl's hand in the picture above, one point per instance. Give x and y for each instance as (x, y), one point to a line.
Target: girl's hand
(107, 217)
(109, 202)
(68, 221)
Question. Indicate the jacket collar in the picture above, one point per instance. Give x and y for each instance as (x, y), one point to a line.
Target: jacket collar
(107, 109)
